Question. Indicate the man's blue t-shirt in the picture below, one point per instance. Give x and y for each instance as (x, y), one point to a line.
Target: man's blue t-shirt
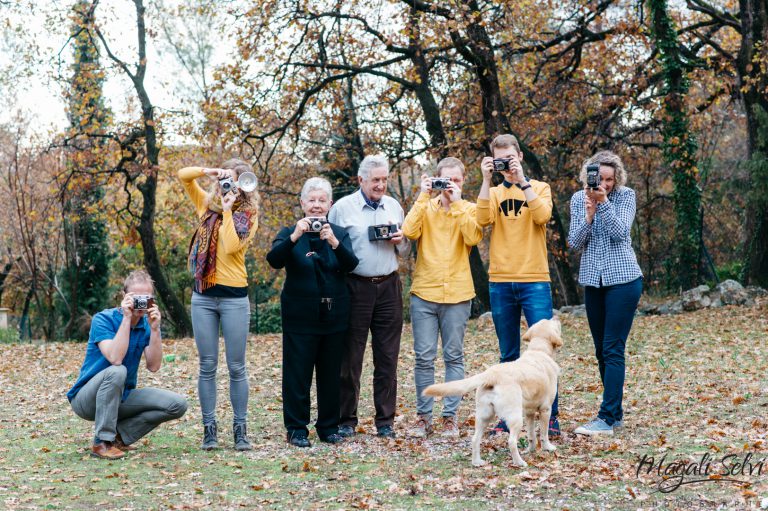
(104, 326)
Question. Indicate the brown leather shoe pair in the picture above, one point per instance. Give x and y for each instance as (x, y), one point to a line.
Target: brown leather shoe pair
(106, 451)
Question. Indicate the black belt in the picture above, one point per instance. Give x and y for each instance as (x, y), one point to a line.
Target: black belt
(372, 280)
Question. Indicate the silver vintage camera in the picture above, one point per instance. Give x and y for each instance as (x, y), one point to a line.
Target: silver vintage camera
(143, 302)
(316, 223)
(382, 232)
(440, 183)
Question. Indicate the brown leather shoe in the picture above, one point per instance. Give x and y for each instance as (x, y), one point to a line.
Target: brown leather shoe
(106, 451)
(122, 445)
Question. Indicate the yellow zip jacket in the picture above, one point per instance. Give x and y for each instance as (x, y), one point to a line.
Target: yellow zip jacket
(230, 250)
(519, 232)
(445, 238)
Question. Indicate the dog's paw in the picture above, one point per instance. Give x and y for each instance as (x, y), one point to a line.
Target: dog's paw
(549, 447)
(520, 463)
(479, 463)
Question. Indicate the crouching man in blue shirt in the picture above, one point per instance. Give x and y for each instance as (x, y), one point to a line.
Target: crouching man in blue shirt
(105, 391)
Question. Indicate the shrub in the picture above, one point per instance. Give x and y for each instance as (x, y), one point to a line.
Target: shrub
(9, 335)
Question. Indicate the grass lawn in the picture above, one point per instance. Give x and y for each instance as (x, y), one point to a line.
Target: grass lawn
(696, 385)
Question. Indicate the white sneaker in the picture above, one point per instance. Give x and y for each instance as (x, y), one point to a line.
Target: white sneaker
(596, 426)
(422, 428)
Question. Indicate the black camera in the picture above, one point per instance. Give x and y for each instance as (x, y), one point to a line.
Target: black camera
(226, 184)
(593, 176)
(142, 302)
(382, 232)
(440, 183)
(316, 223)
(500, 164)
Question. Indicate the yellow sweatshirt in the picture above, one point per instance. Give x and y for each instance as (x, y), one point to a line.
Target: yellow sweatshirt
(518, 235)
(442, 272)
(230, 250)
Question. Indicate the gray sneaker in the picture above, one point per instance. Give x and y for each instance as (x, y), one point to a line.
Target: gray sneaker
(450, 427)
(596, 426)
(422, 428)
(618, 425)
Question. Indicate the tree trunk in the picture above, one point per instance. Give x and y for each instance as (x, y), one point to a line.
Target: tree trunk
(754, 82)
(478, 50)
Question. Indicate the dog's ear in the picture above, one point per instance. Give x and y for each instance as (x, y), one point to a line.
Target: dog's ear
(556, 340)
(527, 335)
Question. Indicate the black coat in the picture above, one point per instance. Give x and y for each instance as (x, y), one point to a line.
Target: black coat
(313, 271)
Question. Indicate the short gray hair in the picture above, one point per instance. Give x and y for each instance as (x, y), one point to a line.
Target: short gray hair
(609, 159)
(371, 162)
(316, 183)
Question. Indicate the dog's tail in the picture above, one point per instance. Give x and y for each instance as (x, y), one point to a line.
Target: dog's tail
(456, 388)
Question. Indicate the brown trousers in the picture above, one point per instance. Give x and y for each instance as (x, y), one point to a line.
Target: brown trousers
(378, 308)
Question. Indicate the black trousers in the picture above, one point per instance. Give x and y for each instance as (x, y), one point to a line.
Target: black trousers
(303, 354)
(377, 308)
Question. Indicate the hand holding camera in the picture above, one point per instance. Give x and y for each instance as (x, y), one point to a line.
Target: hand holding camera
(326, 233)
(154, 317)
(487, 167)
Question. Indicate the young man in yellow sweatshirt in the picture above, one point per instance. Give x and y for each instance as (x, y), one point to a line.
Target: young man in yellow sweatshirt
(446, 229)
(518, 211)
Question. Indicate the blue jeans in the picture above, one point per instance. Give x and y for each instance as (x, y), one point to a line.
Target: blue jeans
(508, 300)
(610, 312)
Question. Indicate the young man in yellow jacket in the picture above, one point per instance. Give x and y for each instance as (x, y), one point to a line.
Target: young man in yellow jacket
(518, 210)
(446, 229)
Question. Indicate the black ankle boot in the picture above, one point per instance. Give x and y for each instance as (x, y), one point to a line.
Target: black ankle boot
(210, 439)
(241, 441)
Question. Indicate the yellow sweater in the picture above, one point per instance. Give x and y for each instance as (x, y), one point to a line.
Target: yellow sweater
(519, 232)
(230, 250)
(442, 272)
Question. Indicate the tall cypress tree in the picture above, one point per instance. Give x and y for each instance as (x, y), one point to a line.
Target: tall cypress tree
(679, 146)
(86, 275)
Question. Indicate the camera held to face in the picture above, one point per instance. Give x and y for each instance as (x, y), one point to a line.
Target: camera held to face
(143, 302)
(593, 176)
(382, 232)
(440, 183)
(227, 185)
(501, 164)
(316, 223)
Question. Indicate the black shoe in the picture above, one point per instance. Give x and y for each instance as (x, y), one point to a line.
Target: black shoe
(333, 438)
(298, 439)
(346, 431)
(210, 440)
(385, 432)
(241, 440)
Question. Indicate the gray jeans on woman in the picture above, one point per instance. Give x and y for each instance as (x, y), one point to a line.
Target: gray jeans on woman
(449, 320)
(141, 412)
(233, 314)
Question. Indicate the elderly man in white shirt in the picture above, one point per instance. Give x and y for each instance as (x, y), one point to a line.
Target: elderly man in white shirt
(373, 221)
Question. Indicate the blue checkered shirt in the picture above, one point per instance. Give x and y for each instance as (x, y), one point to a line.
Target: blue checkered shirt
(607, 257)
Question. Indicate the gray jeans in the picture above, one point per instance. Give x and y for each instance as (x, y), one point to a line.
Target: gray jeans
(143, 410)
(428, 320)
(233, 314)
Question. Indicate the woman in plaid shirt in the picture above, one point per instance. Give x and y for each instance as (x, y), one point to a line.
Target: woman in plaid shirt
(601, 221)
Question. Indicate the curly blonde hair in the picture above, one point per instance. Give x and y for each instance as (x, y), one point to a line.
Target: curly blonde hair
(609, 159)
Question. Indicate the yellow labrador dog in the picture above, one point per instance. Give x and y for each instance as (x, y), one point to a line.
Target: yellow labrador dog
(512, 390)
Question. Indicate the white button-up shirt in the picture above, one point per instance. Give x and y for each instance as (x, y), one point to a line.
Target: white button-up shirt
(377, 258)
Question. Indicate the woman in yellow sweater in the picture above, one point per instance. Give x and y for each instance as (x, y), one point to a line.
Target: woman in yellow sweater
(228, 221)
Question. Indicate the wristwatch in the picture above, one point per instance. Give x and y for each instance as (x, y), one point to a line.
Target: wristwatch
(525, 186)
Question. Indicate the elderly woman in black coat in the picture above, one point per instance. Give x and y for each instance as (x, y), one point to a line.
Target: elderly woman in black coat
(316, 256)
